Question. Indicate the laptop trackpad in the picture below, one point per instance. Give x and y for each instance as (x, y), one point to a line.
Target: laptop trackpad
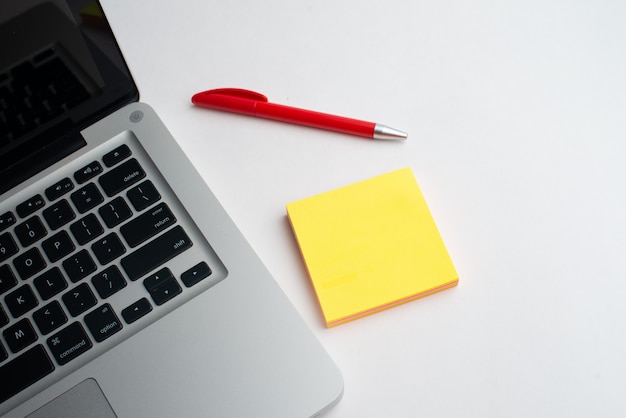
(83, 400)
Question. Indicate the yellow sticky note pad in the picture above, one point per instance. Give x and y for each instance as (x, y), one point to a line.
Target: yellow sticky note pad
(370, 246)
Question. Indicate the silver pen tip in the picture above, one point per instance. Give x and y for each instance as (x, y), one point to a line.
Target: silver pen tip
(386, 132)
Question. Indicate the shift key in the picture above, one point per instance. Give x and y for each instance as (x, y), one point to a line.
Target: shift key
(156, 252)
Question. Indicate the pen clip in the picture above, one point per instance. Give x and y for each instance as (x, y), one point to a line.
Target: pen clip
(230, 92)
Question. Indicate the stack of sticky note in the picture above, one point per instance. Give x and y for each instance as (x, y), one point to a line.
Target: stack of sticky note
(370, 246)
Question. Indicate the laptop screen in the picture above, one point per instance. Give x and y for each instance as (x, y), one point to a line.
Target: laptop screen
(60, 71)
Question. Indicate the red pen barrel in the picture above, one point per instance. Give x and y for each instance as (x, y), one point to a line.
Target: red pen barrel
(314, 119)
(250, 103)
(226, 103)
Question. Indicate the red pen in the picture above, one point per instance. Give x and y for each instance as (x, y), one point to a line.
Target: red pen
(249, 103)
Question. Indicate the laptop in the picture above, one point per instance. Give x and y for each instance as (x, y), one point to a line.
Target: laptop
(125, 288)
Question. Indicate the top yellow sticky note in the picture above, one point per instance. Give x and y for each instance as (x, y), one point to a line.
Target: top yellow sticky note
(370, 246)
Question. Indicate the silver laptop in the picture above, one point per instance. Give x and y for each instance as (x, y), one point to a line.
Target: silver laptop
(125, 289)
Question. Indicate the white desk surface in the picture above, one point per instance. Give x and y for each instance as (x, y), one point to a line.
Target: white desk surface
(516, 114)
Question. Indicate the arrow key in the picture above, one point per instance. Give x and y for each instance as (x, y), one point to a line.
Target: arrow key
(136, 310)
(162, 286)
(195, 274)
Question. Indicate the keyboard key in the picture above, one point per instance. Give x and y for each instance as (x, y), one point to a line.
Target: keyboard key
(86, 229)
(143, 195)
(79, 299)
(86, 198)
(88, 172)
(195, 274)
(50, 317)
(30, 231)
(21, 301)
(155, 253)
(102, 323)
(136, 310)
(50, 283)
(108, 248)
(58, 214)
(69, 343)
(30, 206)
(117, 155)
(3, 353)
(59, 189)
(7, 278)
(115, 212)
(8, 246)
(23, 371)
(108, 282)
(4, 319)
(29, 263)
(6, 219)
(162, 286)
(148, 225)
(121, 177)
(58, 246)
(79, 266)
(20, 335)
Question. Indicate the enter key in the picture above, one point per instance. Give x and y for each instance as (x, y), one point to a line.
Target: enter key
(148, 225)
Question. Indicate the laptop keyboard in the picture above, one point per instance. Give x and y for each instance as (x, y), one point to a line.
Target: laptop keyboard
(69, 255)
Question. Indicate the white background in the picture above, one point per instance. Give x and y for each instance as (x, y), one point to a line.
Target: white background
(516, 114)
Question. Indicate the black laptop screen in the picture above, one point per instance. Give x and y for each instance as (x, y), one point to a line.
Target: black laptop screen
(60, 70)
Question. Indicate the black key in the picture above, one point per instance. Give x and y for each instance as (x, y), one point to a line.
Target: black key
(88, 172)
(148, 225)
(79, 299)
(155, 253)
(42, 56)
(108, 248)
(3, 353)
(143, 195)
(121, 177)
(59, 189)
(162, 286)
(30, 206)
(4, 319)
(7, 278)
(21, 300)
(50, 283)
(86, 229)
(58, 214)
(29, 263)
(20, 335)
(8, 246)
(58, 246)
(23, 71)
(6, 220)
(117, 155)
(69, 343)
(86, 198)
(79, 266)
(50, 317)
(108, 282)
(136, 310)
(102, 323)
(30, 231)
(23, 371)
(195, 274)
(115, 212)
